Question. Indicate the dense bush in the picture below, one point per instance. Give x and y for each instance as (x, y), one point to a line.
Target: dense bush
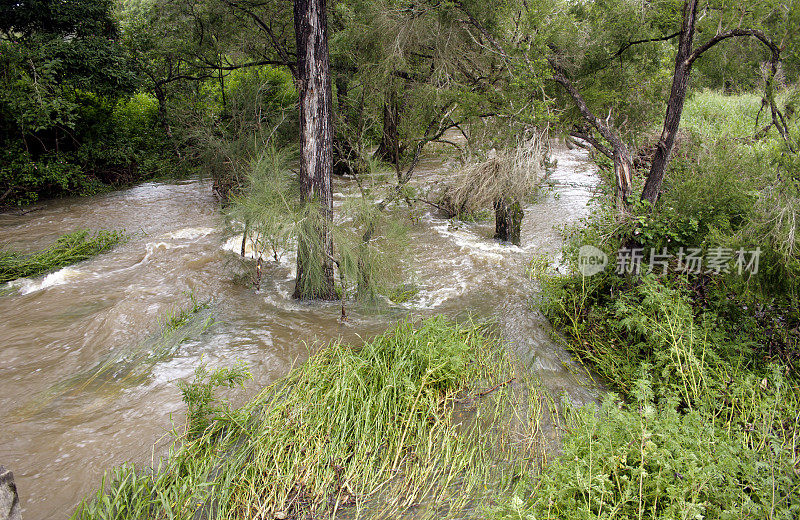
(705, 364)
(70, 122)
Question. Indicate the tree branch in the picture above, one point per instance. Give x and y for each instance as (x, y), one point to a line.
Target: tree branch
(731, 34)
(585, 136)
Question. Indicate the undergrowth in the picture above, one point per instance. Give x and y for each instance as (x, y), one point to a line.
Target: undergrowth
(705, 422)
(68, 249)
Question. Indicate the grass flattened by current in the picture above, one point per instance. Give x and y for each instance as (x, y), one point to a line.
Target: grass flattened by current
(131, 364)
(67, 250)
(411, 419)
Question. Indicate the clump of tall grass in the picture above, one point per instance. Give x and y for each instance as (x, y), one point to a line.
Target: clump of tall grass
(479, 182)
(68, 249)
(422, 418)
(712, 113)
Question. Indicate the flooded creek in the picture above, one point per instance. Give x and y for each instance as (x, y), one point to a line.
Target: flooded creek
(59, 444)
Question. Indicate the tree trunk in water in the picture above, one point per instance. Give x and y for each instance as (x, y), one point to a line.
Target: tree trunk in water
(315, 252)
(508, 220)
(677, 97)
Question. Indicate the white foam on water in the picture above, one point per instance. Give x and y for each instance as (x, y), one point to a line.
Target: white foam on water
(430, 299)
(286, 258)
(60, 277)
(472, 243)
(188, 233)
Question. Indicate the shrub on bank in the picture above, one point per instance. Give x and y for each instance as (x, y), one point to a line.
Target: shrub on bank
(708, 414)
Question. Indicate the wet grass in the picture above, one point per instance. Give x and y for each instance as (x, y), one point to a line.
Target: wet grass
(426, 420)
(67, 250)
(713, 113)
(703, 425)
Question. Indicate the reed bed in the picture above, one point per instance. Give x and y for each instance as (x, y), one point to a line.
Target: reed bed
(427, 420)
(67, 250)
(512, 173)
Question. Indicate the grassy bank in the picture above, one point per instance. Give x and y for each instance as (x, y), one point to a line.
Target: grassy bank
(704, 421)
(426, 420)
(67, 250)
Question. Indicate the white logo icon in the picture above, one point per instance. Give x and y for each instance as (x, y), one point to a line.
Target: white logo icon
(591, 260)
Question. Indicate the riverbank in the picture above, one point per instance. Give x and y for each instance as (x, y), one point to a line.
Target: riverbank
(426, 417)
(695, 329)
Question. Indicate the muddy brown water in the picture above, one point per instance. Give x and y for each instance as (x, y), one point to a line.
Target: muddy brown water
(59, 444)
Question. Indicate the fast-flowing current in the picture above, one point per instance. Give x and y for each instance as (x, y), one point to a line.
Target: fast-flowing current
(61, 428)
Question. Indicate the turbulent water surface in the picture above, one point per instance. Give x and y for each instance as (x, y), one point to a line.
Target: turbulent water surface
(62, 427)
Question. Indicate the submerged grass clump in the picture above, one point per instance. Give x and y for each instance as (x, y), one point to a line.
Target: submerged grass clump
(131, 364)
(425, 417)
(68, 249)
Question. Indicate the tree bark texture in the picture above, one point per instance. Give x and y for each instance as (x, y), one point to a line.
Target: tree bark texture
(508, 220)
(677, 97)
(389, 147)
(316, 148)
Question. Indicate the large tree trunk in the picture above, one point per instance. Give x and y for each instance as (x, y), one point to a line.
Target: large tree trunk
(315, 252)
(508, 220)
(677, 97)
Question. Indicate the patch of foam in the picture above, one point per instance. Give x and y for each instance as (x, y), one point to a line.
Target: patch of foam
(234, 245)
(60, 277)
(286, 258)
(153, 247)
(188, 233)
(472, 243)
(432, 298)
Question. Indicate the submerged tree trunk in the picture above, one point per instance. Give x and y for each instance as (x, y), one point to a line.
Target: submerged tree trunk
(508, 220)
(315, 247)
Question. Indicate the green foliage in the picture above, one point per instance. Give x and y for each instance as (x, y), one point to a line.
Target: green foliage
(229, 131)
(370, 245)
(177, 318)
(203, 407)
(70, 121)
(403, 293)
(644, 460)
(268, 204)
(68, 249)
(710, 427)
(704, 363)
(711, 113)
(376, 425)
(367, 242)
